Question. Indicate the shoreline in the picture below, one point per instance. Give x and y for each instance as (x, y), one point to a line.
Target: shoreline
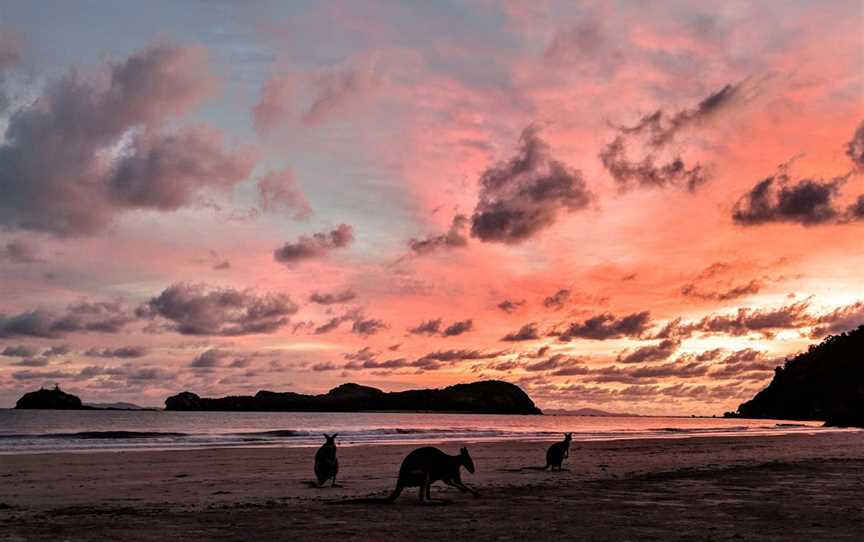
(612, 490)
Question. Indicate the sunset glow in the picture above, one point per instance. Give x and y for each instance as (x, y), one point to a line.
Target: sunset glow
(639, 207)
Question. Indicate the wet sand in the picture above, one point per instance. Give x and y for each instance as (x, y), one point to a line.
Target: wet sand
(801, 487)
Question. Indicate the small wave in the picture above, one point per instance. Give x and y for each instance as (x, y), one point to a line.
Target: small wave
(733, 429)
(114, 435)
(274, 433)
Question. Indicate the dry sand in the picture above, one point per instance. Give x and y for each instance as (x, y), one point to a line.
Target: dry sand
(752, 488)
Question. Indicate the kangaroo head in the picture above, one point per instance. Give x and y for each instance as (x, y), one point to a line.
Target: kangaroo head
(466, 460)
(330, 439)
(568, 437)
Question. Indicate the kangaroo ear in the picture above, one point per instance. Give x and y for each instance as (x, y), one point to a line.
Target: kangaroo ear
(334, 436)
(325, 436)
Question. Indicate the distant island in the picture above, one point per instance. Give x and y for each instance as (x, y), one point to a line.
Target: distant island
(825, 383)
(53, 399)
(57, 399)
(486, 397)
(116, 406)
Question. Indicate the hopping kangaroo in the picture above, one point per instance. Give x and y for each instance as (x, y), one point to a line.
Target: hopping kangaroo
(326, 465)
(559, 451)
(424, 466)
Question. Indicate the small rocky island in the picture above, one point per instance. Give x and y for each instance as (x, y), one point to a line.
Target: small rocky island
(486, 397)
(53, 399)
(825, 383)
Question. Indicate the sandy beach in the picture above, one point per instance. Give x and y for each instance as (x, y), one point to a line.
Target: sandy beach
(754, 488)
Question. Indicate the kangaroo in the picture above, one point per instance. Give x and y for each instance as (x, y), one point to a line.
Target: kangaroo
(425, 466)
(326, 465)
(559, 451)
(421, 468)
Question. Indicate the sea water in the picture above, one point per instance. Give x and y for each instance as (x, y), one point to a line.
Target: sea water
(32, 431)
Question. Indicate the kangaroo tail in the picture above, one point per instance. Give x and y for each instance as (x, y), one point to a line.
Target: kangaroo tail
(535, 468)
(363, 500)
(372, 500)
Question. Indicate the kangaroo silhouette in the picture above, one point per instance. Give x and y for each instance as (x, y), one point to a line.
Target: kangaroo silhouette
(326, 464)
(558, 452)
(421, 468)
(425, 466)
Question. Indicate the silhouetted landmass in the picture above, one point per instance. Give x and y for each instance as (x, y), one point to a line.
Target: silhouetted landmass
(825, 383)
(487, 397)
(54, 399)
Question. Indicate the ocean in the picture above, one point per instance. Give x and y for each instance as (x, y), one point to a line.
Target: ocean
(30, 431)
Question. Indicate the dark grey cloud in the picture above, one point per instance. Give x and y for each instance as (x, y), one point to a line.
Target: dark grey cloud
(558, 362)
(434, 360)
(76, 122)
(329, 325)
(325, 366)
(856, 210)
(437, 327)
(647, 172)
(334, 322)
(167, 171)
(198, 309)
(557, 300)
(210, 359)
(734, 292)
(855, 147)
(19, 251)
(41, 375)
(510, 306)
(525, 195)
(85, 316)
(428, 327)
(745, 320)
(745, 364)
(120, 352)
(528, 332)
(809, 202)
(126, 375)
(655, 352)
(661, 128)
(455, 237)
(33, 362)
(20, 351)
(606, 326)
(368, 326)
(332, 298)
(397, 363)
(365, 353)
(839, 320)
(458, 328)
(670, 370)
(658, 130)
(58, 350)
(213, 358)
(315, 246)
(278, 193)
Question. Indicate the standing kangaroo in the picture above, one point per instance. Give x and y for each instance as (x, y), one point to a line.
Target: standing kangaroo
(326, 465)
(424, 466)
(559, 451)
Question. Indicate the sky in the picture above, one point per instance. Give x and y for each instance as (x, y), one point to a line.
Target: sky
(633, 206)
